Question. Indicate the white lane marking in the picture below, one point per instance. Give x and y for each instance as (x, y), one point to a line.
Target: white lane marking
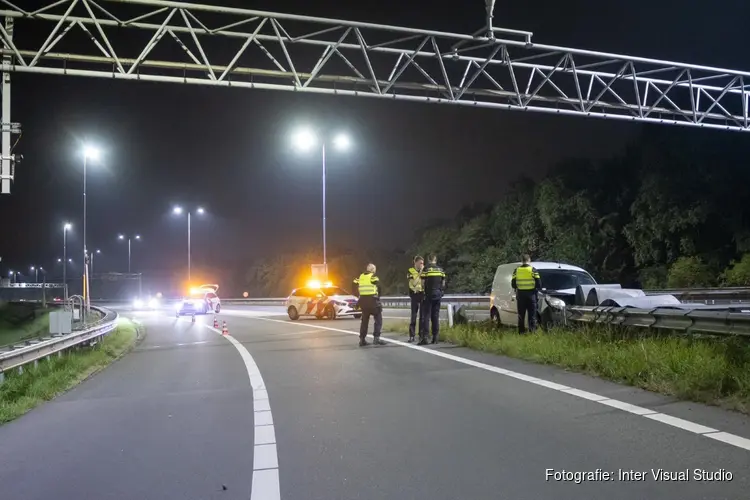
(263, 418)
(732, 439)
(622, 405)
(702, 430)
(681, 423)
(262, 405)
(264, 434)
(178, 345)
(266, 484)
(265, 457)
(251, 314)
(585, 395)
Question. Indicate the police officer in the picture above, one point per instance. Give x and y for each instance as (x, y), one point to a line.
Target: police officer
(416, 293)
(526, 281)
(434, 284)
(367, 288)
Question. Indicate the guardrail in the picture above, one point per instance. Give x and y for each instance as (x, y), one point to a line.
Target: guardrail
(687, 295)
(34, 350)
(393, 301)
(681, 320)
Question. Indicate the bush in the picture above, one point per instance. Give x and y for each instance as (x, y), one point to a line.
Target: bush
(689, 272)
(738, 273)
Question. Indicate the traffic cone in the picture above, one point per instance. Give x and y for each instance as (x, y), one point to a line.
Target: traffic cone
(216, 322)
(224, 329)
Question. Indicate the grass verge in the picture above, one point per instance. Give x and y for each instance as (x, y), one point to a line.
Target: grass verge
(704, 369)
(23, 391)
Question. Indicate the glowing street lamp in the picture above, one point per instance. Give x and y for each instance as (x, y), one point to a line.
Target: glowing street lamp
(123, 237)
(178, 210)
(304, 140)
(93, 254)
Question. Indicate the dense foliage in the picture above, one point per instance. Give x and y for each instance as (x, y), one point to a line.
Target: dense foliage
(672, 209)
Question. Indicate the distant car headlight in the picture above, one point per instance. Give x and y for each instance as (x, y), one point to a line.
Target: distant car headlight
(556, 303)
(153, 303)
(137, 303)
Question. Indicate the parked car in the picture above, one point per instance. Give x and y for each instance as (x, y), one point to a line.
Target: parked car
(559, 282)
(322, 301)
(201, 300)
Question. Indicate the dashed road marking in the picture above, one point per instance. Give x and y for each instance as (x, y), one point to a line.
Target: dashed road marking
(695, 428)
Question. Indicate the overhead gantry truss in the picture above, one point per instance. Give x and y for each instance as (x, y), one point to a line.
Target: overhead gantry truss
(165, 41)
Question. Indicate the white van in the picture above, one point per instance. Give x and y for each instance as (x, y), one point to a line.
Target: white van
(559, 282)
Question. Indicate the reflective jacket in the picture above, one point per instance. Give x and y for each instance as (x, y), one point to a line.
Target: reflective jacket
(367, 285)
(415, 281)
(526, 278)
(434, 281)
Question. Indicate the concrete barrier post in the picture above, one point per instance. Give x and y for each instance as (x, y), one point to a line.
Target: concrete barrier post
(450, 315)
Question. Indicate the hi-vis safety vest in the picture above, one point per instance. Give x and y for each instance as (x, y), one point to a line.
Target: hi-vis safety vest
(367, 284)
(415, 281)
(526, 277)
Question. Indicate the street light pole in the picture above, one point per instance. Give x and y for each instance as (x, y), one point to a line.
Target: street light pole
(93, 254)
(88, 152)
(85, 249)
(122, 237)
(189, 259)
(178, 211)
(66, 227)
(306, 139)
(325, 262)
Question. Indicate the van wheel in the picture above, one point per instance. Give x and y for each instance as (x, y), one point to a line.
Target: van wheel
(293, 313)
(218, 308)
(495, 317)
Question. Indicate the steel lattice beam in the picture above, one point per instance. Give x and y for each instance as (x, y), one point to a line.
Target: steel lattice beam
(158, 40)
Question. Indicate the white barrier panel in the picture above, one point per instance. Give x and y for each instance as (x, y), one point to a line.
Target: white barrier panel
(582, 292)
(596, 295)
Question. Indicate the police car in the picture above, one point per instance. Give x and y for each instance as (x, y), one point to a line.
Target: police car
(202, 300)
(321, 301)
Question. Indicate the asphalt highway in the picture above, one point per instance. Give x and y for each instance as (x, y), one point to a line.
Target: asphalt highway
(296, 410)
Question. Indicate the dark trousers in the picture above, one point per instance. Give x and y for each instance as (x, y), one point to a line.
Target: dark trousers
(430, 313)
(526, 300)
(370, 306)
(417, 309)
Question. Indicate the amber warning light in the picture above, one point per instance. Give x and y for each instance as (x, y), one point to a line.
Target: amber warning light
(318, 284)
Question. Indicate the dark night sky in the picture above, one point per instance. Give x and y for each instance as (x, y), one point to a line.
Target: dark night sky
(228, 149)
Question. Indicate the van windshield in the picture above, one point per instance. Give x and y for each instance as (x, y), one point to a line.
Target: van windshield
(561, 279)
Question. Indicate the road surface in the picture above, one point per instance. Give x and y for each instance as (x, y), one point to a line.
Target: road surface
(296, 410)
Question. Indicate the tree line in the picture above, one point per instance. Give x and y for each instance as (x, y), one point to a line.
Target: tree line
(670, 210)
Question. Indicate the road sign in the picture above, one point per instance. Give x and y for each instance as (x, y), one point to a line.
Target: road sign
(319, 272)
